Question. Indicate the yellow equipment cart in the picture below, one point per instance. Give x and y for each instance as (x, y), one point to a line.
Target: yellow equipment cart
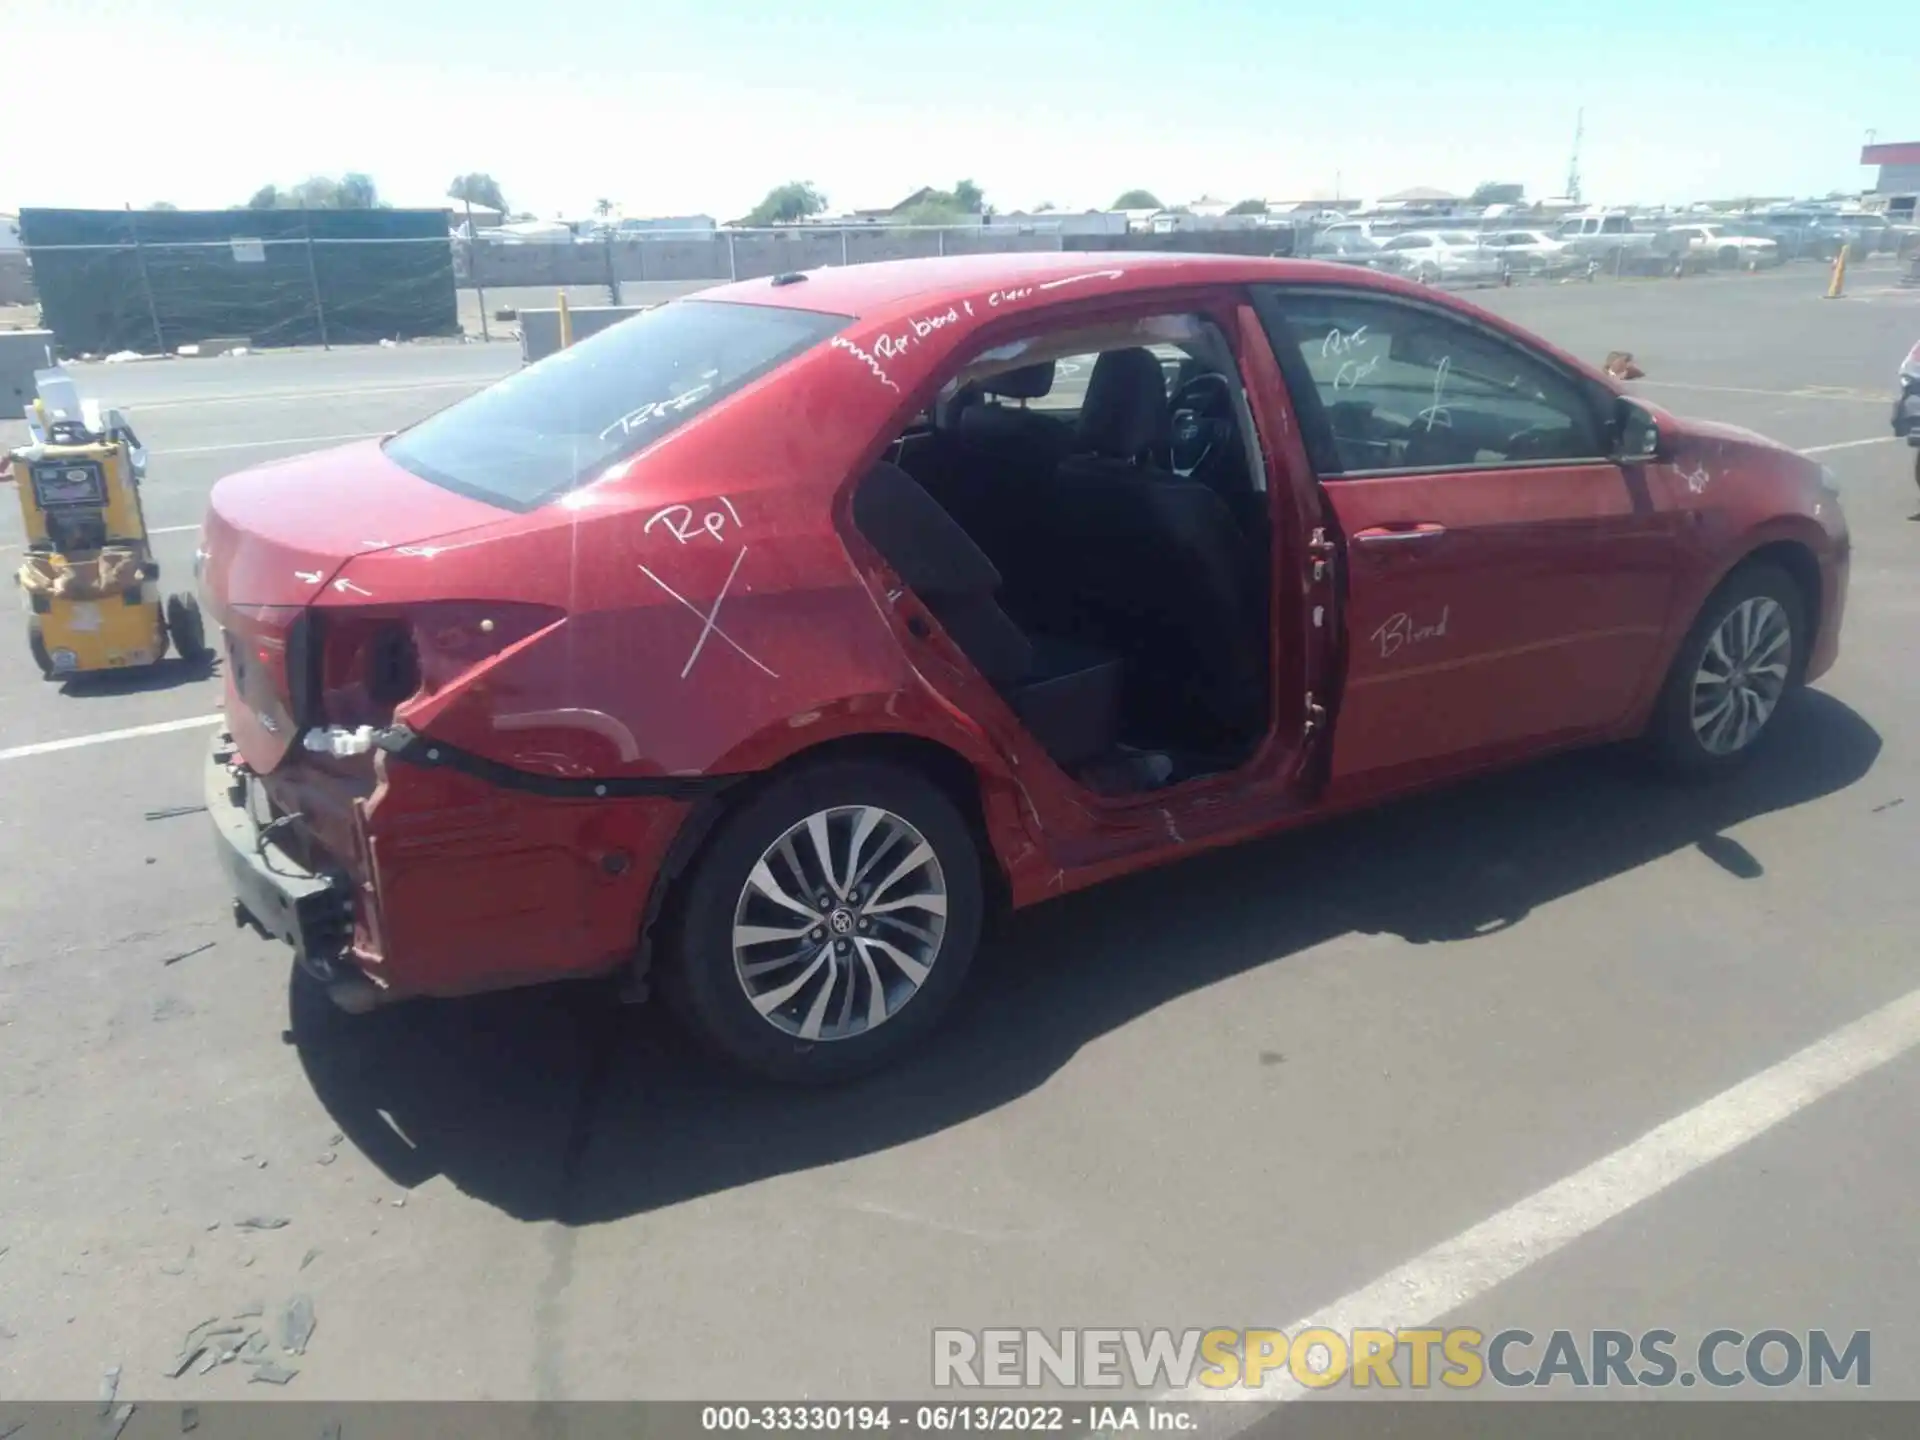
(89, 576)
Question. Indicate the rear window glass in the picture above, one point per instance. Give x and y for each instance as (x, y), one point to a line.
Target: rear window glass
(559, 423)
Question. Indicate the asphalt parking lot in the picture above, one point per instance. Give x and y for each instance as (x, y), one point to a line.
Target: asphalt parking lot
(1262, 1087)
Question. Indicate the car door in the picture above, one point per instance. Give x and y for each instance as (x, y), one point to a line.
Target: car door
(1507, 583)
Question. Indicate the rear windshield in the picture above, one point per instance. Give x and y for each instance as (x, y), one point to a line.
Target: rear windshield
(559, 423)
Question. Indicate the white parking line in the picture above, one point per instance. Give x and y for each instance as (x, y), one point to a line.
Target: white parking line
(137, 408)
(1848, 444)
(1850, 397)
(104, 737)
(271, 444)
(1458, 1271)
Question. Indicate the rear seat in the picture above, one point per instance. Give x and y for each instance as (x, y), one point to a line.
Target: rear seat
(1066, 694)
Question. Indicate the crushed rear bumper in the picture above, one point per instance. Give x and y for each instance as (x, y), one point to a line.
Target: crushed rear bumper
(310, 911)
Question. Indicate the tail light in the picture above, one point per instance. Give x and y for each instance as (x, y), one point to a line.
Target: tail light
(362, 664)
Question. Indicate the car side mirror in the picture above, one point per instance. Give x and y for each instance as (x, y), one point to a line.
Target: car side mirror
(1639, 435)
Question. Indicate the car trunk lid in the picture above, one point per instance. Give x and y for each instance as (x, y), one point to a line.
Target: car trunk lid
(274, 541)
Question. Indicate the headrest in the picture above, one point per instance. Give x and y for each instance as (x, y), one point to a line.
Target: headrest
(1125, 411)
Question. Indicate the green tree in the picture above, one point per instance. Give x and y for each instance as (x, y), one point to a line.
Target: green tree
(967, 196)
(267, 197)
(1137, 200)
(163, 205)
(1249, 207)
(787, 203)
(1496, 192)
(603, 207)
(480, 189)
(357, 192)
(936, 209)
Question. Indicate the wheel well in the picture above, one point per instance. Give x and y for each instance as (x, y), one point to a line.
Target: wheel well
(1801, 567)
(945, 768)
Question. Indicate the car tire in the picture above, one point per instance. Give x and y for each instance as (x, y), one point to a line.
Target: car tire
(1691, 735)
(765, 1004)
(37, 647)
(186, 629)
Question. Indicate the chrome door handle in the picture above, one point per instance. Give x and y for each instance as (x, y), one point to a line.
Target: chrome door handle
(1384, 536)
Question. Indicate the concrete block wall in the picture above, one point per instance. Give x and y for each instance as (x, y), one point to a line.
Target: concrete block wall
(16, 278)
(742, 255)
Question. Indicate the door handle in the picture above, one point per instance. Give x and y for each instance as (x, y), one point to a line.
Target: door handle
(1399, 534)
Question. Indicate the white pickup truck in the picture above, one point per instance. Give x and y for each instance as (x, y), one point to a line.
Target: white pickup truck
(1603, 234)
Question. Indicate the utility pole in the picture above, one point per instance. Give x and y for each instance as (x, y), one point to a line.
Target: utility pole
(1573, 165)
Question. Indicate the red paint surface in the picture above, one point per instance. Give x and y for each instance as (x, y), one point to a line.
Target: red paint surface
(1542, 613)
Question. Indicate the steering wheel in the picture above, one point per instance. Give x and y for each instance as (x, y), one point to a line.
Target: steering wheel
(1203, 422)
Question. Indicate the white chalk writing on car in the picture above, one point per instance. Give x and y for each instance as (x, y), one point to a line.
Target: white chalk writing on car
(1436, 413)
(681, 525)
(840, 342)
(1400, 631)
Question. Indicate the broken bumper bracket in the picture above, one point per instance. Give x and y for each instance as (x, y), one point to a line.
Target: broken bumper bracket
(312, 912)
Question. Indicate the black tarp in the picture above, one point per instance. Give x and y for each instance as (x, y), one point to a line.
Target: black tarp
(110, 279)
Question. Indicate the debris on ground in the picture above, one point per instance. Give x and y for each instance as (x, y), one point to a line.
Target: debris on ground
(256, 1345)
(109, 1387)
(296, 1325)
(271, 1374)
(178, 1267)
(253, 1310)
(189, 1420)
(1878, 809)
(308, 1258)
(328, 1158)
(186, 1358)
(264, 1222)
(111, 1430)
(188, 954)
(399, 1202)
(330, 1430)
(13, 1429)
(174, 812)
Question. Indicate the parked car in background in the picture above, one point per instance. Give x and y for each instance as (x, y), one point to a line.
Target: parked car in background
(1603, 235)
(1529, 251)
(1796, 232)
(1351, 239)
(1433, 255)
(1724, 244)
(1906, 405)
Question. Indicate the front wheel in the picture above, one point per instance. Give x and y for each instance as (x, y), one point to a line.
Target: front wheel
(1745, 653)
(829, 924)
(37, 647)
(186, 629)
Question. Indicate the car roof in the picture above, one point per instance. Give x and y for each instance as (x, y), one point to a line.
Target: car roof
(884, 288)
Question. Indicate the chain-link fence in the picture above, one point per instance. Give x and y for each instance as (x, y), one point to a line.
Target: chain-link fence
(112, 282)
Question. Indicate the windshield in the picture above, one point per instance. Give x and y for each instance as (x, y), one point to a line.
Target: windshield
(559, 423)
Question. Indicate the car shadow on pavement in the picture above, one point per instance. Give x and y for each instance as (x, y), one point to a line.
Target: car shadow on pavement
(557, 1104)
(168, 674)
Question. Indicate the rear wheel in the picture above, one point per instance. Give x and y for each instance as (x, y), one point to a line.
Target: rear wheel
(1744, 655)
(37, 644)
(830, 923)
(186, 629)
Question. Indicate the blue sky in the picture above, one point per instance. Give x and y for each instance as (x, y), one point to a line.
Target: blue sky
(701, 106)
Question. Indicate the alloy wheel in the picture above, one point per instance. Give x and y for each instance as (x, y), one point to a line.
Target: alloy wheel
(839, 923)
(1741, 675)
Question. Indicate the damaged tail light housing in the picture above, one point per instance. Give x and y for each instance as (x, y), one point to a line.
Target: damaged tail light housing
(363, 663)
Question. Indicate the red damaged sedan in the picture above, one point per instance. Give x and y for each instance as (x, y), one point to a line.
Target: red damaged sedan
(759, 648)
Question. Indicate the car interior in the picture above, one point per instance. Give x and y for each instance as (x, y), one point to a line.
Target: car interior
(1085, 514)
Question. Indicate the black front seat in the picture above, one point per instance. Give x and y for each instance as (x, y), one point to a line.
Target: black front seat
(1159, 569)
(1066, 694)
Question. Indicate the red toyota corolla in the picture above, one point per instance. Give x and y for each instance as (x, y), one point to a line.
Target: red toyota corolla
(761, 646)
